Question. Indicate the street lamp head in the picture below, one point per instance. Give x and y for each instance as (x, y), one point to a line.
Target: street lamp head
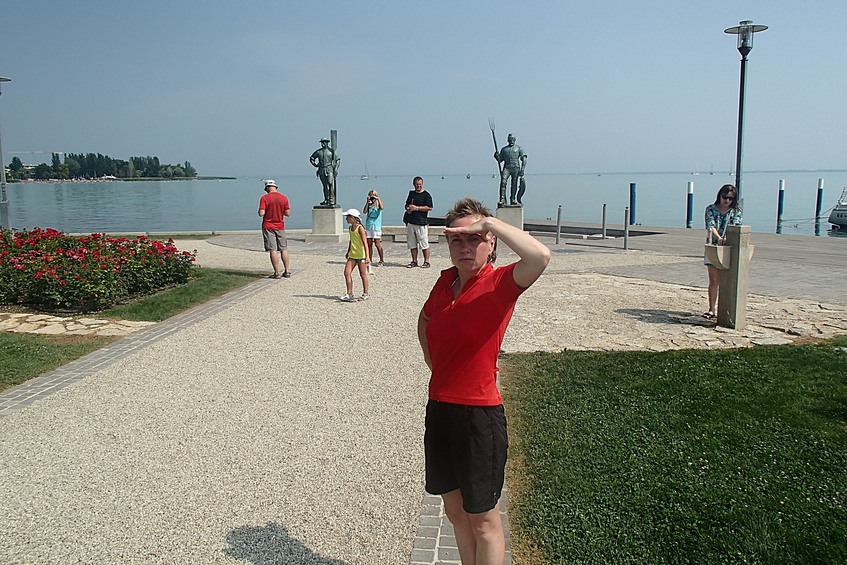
(745, 30)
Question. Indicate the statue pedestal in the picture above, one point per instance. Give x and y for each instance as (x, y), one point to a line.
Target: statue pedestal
(512, 215)
(326, 225)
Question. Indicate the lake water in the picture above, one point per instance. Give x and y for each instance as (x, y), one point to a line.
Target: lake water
(204, 205)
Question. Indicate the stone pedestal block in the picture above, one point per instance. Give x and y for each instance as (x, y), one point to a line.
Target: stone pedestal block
(732, 294)
(512, 215)
(326, 225)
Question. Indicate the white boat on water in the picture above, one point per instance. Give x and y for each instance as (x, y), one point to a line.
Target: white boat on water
(838, 216)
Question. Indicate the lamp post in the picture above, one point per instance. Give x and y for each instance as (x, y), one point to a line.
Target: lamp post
(744, 30)
(4, 201)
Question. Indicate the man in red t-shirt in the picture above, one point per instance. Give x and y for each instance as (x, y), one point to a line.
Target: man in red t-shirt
(273, 208)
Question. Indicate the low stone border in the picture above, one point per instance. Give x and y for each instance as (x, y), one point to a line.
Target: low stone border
(435, 542)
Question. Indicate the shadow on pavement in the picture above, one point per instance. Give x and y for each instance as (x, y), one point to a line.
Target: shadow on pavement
(271, 545)
(666, 317)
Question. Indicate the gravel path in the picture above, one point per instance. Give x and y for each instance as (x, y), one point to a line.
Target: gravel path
(254, 434)
(287, 428)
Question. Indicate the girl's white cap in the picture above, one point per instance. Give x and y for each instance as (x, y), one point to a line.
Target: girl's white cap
(352, 212)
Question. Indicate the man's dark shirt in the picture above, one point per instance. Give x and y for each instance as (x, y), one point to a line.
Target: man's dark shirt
(418, 217)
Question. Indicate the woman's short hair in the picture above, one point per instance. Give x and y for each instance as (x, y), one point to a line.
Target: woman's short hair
(470, 207)
(466, 207)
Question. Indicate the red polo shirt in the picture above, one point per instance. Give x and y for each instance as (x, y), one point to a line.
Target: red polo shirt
(465, 336)
(274, 204)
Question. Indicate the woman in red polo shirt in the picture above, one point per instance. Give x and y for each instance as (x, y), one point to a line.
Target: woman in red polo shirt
(461, 329)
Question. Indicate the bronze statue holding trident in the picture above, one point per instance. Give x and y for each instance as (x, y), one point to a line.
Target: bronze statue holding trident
(511, 160)
(326, 161)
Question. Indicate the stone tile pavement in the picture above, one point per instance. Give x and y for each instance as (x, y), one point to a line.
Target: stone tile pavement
(67, 325)
(435, 542)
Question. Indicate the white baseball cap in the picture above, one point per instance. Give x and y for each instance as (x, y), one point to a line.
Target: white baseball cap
(352, 212)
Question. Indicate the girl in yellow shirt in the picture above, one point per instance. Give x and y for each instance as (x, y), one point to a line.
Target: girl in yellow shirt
(357, 254)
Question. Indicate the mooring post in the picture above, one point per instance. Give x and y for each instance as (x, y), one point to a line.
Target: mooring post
(558, 223)
(780, 205)
(631, 203)
(625, 228)
(819, 202)
(603, 222)
(689, 208)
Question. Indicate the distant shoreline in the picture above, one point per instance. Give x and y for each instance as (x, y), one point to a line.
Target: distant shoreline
(139, 179)
(595, 173)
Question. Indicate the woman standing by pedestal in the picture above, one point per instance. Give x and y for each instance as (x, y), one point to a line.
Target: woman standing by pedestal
(461, 329)
(722, 212)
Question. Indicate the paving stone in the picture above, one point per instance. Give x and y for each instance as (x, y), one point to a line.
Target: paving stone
(112, 331)
(430, 521)
(424, 543)
(770, 341)
(133, 323)
(38, 317)
(50, 329)
(92, 321)
(450, 541)
(422, 556)
(448, 554)
(428, 532)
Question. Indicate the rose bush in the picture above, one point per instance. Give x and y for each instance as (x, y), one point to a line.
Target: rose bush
(48, 269)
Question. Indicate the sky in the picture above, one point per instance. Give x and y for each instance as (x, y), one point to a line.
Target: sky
(249, 88)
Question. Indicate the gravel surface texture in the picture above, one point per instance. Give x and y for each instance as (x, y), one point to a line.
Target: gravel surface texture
(285, 429)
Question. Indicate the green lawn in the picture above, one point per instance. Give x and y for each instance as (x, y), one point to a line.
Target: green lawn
(205, 285)
(728, 456)
(24, 356)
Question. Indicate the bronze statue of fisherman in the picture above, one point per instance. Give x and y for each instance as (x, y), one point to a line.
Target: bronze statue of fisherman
(326, 161)
(513, 160)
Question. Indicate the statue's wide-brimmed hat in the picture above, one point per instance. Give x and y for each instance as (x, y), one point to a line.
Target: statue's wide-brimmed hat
(324, 140)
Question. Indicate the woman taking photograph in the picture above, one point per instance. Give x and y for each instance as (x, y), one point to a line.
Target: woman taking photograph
(461, 329)
(723, 212)
(373, 224)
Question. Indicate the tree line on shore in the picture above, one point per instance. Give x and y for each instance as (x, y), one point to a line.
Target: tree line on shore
(96, 165)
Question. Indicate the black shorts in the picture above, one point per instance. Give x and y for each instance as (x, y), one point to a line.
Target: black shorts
(466, 449)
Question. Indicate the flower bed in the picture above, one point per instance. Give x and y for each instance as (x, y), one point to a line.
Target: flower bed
(50, 270)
